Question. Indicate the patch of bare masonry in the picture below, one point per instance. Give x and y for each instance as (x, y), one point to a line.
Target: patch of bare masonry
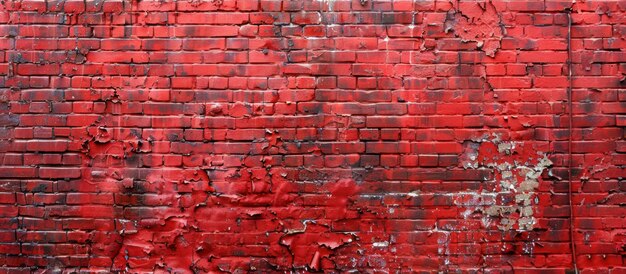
(517, 171)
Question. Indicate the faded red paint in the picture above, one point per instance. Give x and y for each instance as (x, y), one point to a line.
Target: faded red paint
(302, 136)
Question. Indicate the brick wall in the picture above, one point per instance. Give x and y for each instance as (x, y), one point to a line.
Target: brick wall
(334, 135)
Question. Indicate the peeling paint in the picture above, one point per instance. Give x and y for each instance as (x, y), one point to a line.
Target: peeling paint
(477, 22)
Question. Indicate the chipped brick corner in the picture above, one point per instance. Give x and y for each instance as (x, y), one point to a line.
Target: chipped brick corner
(312, 136)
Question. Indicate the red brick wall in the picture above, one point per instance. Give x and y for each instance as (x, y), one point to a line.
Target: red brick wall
(311, 135)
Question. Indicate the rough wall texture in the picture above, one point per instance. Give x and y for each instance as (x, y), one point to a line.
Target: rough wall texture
(261, 136)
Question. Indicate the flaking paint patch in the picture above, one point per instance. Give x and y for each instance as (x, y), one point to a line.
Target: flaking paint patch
(310, 245)
(479, 22)
(517, 171)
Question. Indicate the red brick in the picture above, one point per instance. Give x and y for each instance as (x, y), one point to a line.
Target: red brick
(47, 145)
(510, 82)
(542, 57)
(18, 172)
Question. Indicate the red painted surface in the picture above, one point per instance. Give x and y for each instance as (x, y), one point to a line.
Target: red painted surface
(278, 136)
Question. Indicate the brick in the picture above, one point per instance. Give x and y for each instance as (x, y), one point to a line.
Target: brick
(542, 57)
(591, 31)
(510, 82)
(213, 18)
(207, 31)
(387, 147)
(17, 172)
(47, 145)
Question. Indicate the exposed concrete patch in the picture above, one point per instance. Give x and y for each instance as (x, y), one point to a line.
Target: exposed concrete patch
(517, 170)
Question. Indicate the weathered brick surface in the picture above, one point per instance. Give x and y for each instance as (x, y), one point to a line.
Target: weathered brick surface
(272, 136)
